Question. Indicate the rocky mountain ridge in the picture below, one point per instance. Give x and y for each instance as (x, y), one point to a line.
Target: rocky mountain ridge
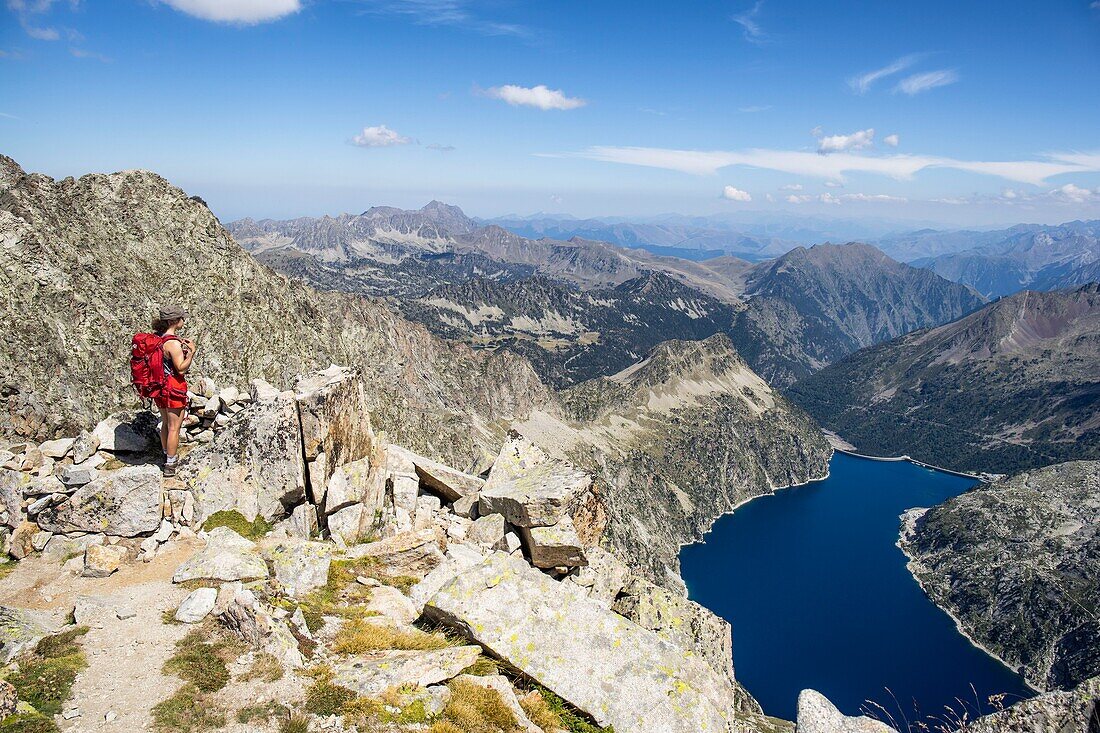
(1017, 562)
(1011, 386)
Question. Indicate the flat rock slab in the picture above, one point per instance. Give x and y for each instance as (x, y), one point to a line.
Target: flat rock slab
(412, 554)
(300, 566)
(619, 673)
(530, 488)
(448, 482)
(370, 674)
(126, 433)
(21, 629)
(227, 556)
(556, 546)
(125, 503)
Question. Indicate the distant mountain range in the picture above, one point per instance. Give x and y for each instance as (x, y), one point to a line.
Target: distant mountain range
(580, 309)
(1011, 386)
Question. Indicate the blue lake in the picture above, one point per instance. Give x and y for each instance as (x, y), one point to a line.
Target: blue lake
(819, 596)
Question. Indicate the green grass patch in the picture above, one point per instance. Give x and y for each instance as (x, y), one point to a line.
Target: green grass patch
(235, 521)
(475, 709)
(325, 698)
(266, 668)
(45, 677)
(340, 596)
(295, 723)
(188, 711)
(27, 723)
(571, 719)
(7, 567)
(358, 636)
(201, 658)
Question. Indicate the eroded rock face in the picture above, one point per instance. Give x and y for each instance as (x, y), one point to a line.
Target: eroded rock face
(530, 488)
(254, 466)
(126, 502)
(817, 715)
(611, 668)
(412, 554)
(300, 566)
(1075, 711)
(1018, 563)
(19, 630)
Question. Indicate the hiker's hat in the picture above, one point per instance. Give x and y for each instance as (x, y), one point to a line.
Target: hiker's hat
(171, 313)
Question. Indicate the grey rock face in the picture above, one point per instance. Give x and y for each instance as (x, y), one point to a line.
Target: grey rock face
(196, 606)
(84, 447)
(227, 557)
(1075, 711)
(126, 502)
(300, 566)
(370, 674)
(530, 488)
(817, 715)
(412, 554)
(614, 670)
(1016, 561)
(126, 433)
(449, 483)
(19, 630)
(554, 547)
(254, 466)
(335, 417)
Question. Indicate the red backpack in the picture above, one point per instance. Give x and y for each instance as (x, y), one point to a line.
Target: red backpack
(147, 364)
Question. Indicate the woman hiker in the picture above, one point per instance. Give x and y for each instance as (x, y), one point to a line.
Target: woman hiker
(178, 353)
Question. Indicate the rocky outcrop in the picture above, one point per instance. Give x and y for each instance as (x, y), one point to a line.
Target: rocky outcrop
(1073, 711)
(226, 557)
(1016, 563)
(557, 635)
(126, 502)
(817, 715)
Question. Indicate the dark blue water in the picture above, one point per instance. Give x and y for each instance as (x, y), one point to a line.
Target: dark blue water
(819, 596)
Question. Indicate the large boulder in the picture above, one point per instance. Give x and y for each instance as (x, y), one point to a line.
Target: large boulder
(127, 432)
(619, 673)
(227, 556)
(817, 715)
(240, 611)
(335, 417)
(357, 482)
(449, 483)
(371, 674)
(300, 566)
(409, 554)
(254, 466)
(554, 546)
(126, 502)
(530, 488)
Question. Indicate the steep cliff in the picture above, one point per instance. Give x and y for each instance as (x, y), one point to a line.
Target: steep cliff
(1017, 562)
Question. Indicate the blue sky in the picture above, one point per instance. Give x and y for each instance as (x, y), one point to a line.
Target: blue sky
(300, 107)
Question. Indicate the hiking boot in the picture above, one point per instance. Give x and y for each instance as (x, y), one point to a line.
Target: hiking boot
(169, 470)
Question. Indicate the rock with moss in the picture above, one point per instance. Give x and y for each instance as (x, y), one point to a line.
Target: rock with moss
(412, 554)
(555, 546)
(607, 666)
(335, 416)
(1016, 562)
(226, 557)
(370, 674)
(449, 483)
(21, 629)
(530, 488)
(254, 466)
(126, 502)
(817, 715)
(299, 567)
(240, 611)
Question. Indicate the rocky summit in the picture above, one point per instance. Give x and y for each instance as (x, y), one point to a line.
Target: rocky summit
(1015, 562)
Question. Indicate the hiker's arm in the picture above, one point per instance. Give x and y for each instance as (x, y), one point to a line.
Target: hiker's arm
(181, 357)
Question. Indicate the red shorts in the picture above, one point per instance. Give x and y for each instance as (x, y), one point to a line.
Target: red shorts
(177, 397)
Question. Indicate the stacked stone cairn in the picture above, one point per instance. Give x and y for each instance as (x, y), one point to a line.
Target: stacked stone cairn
(509, 560)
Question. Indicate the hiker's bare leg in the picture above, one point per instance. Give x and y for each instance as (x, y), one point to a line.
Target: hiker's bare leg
(174, 418)
(164, 430)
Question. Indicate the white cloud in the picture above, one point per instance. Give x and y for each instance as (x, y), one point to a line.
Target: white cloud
(791, 187)
(379, 136)
(750, 25)
(833, 167)
(836, 143)
(735, 194)
(833, 184)
(918, 83)
(236, 11)
(871, 197)
(1008, 193)
(861, 83)
(539, 96)
(769, 197)
(1074, 194)
(828, 198)
(892, 140)
(792, 199)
